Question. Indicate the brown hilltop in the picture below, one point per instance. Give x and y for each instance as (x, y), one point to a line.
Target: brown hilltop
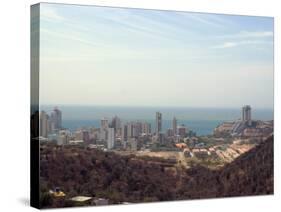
(249, 174)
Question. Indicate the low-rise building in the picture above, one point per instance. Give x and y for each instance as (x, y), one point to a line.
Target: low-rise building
(76, 142)
(200, 153)
(252, 132)
(81, 199)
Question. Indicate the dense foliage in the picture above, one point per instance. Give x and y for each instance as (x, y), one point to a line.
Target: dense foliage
(79, 171)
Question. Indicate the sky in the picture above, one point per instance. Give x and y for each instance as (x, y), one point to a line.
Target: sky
(134, 57)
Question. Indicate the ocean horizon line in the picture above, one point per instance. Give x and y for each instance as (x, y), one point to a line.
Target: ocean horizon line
(147, 106)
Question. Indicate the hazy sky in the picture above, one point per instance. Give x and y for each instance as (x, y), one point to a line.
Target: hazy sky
(112, 56)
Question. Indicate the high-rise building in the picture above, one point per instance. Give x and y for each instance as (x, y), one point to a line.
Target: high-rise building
(56, 119)
(110, 138)
(246, 114)
(130, 130)
(160, 138)
(124, 132)
(170, 132)
(116, 123)
(174, 126)
(146, 128)
(158, 123)
(104, 124)
(103, 134)
(137, 129)
(44, 124)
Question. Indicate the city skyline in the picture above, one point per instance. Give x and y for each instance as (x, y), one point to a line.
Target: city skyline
(53, 121)
(115, 56)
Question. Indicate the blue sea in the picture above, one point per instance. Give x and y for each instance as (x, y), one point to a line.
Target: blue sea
(200, 120)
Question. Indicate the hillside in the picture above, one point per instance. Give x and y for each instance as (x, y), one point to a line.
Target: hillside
(249, 174)
(79, 171)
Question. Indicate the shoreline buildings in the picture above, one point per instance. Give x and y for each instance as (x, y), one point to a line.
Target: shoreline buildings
(245, 127)
(134, 135)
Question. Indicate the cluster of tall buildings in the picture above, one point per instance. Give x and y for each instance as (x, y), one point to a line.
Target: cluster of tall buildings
(132, 130)
(50, 123)
(115, 132)
(134, 135)
(135, 129)
(128, 131)
(109, 133)
(175, 130)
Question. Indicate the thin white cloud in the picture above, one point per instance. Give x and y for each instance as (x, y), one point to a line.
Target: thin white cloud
(239, 43)
(140, 24)
(226, 45)
(249, 34)
(67, 36)
(203, 19)
(260, 34)
(50, 14)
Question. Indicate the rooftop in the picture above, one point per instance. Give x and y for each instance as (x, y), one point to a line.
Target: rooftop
(80, 198)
